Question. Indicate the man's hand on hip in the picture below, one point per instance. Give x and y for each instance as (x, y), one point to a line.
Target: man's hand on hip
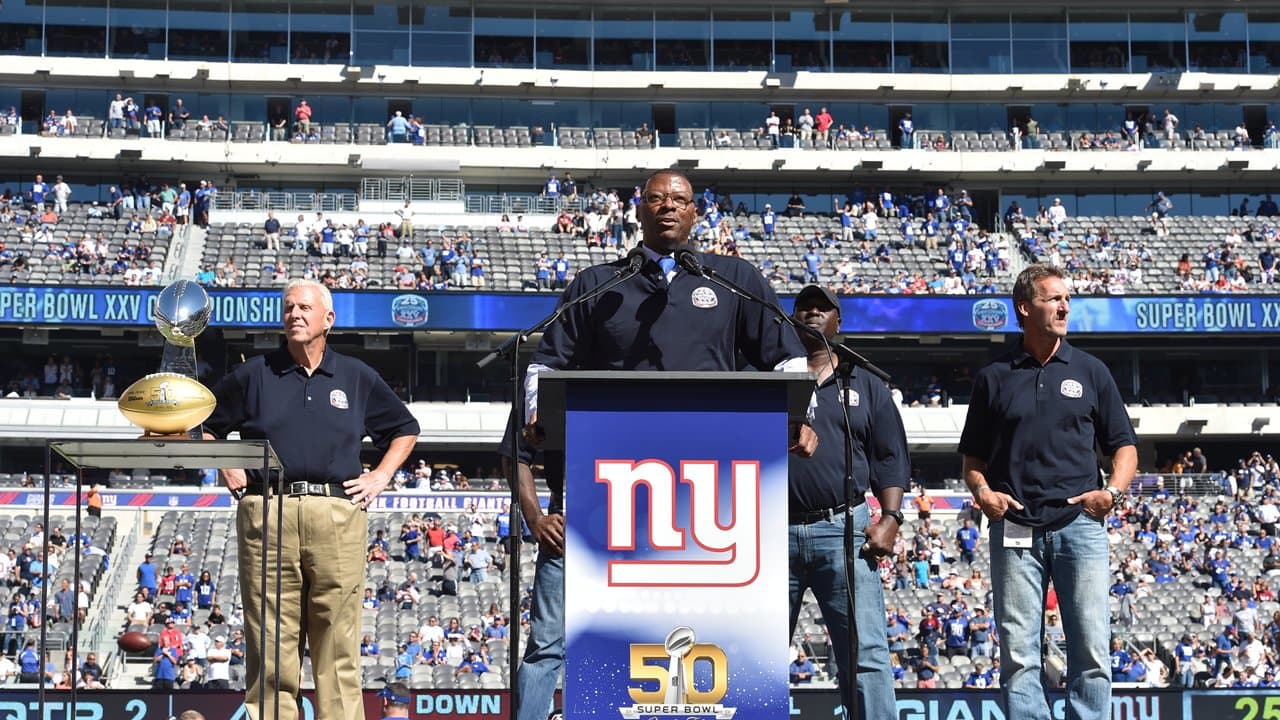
(363, 489)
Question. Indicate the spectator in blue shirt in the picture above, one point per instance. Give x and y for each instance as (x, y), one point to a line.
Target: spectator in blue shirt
(967, 541)
(1121, 661)
(921, 568)
(399, 127)
(404, 663)
(801, 670)
(368, 647)
(957, 634)
(979, 679)
(561, 269)
(812, 263)
(473, 664)
(768, 221)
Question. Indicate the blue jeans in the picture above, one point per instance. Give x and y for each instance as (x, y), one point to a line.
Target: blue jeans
(544, 650)
(1077, 560)
(817, 562)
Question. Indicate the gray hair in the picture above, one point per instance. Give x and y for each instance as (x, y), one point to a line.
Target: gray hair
(326, 298)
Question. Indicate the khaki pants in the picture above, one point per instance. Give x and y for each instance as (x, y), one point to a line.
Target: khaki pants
(322, 562)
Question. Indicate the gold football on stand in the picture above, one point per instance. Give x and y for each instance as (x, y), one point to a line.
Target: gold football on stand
(166, 403)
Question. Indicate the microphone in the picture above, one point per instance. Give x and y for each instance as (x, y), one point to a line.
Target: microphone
(688, 260)
(635, 261)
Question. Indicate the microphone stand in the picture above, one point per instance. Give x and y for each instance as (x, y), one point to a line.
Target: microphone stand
(511, 350)
(689, 261)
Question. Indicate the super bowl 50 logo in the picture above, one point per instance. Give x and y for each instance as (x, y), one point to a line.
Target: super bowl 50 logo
(662, 679)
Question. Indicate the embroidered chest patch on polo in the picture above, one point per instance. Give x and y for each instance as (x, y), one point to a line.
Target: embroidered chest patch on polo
(704, 297)
(338, 399)
(1072, 389)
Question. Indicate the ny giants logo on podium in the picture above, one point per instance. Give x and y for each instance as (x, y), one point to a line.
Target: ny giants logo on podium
(726, 555)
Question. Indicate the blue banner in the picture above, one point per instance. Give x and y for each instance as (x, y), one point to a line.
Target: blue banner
(676, 604)
(52, 306)
(219, 499)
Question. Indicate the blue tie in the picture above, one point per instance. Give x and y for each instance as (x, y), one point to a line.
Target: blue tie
(668, 265)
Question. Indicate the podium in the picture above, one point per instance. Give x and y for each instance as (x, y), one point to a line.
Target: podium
(676, 577)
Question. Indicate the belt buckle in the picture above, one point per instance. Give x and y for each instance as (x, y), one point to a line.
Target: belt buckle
(297, 488)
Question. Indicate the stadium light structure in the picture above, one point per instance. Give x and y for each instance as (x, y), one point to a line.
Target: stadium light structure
(1054, 164)
(870, 165)
(778, 163)
(1237, 164)
(129, 154)
(1144, 164)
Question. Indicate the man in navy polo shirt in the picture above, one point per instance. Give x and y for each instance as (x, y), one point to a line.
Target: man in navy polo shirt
(1028, 444)
(315, 406)
(818, 508)
(661, 319)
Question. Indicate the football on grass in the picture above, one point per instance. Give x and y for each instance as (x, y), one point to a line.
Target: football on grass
(134, 642)
(166, 403)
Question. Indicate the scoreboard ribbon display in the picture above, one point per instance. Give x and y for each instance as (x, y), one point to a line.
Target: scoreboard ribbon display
(54, 306)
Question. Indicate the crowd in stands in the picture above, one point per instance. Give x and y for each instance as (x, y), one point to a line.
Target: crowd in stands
(449, 552)
(807, 130)
(1213, 562)
(66, 377)
(1100, 262)
(25, 566)
(153, 212)
(200, 645)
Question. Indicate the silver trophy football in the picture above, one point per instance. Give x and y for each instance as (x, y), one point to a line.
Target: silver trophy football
(182, 313)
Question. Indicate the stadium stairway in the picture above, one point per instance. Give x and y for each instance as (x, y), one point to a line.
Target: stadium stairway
(184, 262)
(128, 671)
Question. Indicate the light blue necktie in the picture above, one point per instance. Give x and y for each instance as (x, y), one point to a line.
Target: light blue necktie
(668, 265)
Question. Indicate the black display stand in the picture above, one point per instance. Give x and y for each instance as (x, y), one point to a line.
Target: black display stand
(174, 454)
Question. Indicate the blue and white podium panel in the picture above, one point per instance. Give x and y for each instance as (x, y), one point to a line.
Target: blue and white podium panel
(676, 552)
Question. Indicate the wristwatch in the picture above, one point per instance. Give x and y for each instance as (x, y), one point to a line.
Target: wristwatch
(895, 514)
(1115, 493)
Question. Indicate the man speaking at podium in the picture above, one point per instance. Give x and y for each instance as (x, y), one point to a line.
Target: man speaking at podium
(663, 318)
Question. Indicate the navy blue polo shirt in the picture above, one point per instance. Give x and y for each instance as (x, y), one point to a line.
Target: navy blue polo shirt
(643, 324)
(315, 423)
(1036, 429)
(879, 446)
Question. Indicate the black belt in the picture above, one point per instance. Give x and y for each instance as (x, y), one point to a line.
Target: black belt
(808, 517)
(301, 488)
